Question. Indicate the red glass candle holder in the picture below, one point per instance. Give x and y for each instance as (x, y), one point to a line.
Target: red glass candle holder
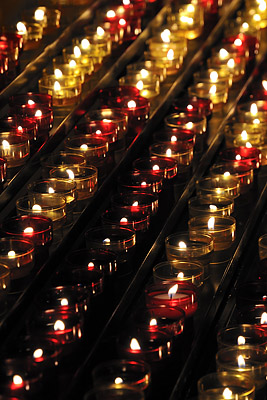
(244, 41)
(40, 114)
(36, 228)
(105, 129)
(31, 98)
(165, 167)
(174, 135)
(94, 149)
(249, 155)
(161, 318)
(145, 345)
(138, 221)
(20, 125)
(136, 202)
(135, 181)
(182, 152)
(194, 105)
(173, 294)
(255, 314)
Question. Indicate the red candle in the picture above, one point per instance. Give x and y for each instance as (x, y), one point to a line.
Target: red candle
(250, 155)
(138, 221)
(103, 129)
(136, 202)
(135, 181)
(165, 167)
(244, 42)
(194, 105)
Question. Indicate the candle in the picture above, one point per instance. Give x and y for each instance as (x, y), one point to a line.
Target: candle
(173, 294)
(138, 221)
(165, 167)
(189, 247)
(250, 155)
(32, 33)
(63, 159)
(145, 82)
(222, 229)
(216, 92)
(180, 270)
(242, 171)
(214, 75)
(103, 129)
(239, 335)
(210, 204)
(239, 133)
(188, 20)
(15, 148)
(136, 202)
(193, 104)
(116, 391)
(132, 373)
(147, 65)
(135, 181)
(225, 385)
(30, 98)
(174, 135)
(21, 125)
(224, 185)
(182, 152)
(65, 91)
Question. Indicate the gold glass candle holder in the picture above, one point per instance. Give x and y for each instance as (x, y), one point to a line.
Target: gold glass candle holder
(97, 42)
(65, 91)
(193, 246)
(225, 385)
(250, 361)
(239, 133)
(214, 75)
(183, 153)
(68, 69)
(15, 148)
(226, 186)
(18, 255)
(222, 229)
(76, 59)
(50, 206)
(216, 92)
(242, 171)
(189, 20)
(63, 159)
(210, 204)
(184, 271)
(84, 177)
(236, 65)
(147, 65)
(253, 112)
(145, 82)
(163, 44)
(192, 122)
(32, 33)
(171, 62)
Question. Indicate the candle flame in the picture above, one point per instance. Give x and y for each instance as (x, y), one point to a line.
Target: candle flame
(122, 22)
(238, 157)
(17, 380)
(31, 102)
(244, 135)
(57, 86)
(253, 109)
(21, 28)
(180, 275)
(262, 6)
(38, 353)
(165, 36)
(70, 173)
(155, 168)
(245, 25)
(29, 229)
(174, 138)
(214, 76)
(213, 207)
(38, 113)
(189, 107)
(227, 394)
(241, 340)
(111, 14)
(223, 54)
(211, 223)
(213, 89)
(143, 183)
(134, 345)
(118, 380)
(226, 174)
(248, 145)
(100, 31)
(19, 128)
(191, 8)
(187, 20)
(11, 254)
(144, 73)
(123, 220)
(135, 204)
(58, 73)
(64, 302)
(264, 84)
(231, 63)
(263, 318)
(39, 14)
(131, 104)
(172, 290)
(241, 361)
(72, 64)
(84, 147)
(51, 190)
(59, 325)
(5, 144)
(85, 44)
(170, 55)
(77, 52)
(140, 85)
(168, 153)
(126, 2)
(91, 265)
(182, 245)
(153, 322)
(106, 241)
(189, 125)
(36, 207)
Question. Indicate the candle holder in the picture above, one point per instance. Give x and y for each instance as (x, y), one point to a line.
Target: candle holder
(189, 247)
(15, 148)
(242, 171)
(31, 32)
(214, 75)
(184, 271)
(18, 255)
(240, 335)
(182, 152)
(248, 360)
(162, 318)
(136, 202)
(104, 129)
(210, 205)
(251, 294)
(237, 134)
(223, 185)
(63, 159)
(234, 63)
(96, 42)
(173, 294)
(84, 177)
(30, 98)
(118, 239)
(251, 111)
(65, 91)
(151, 347)
(253, 314)
(120, 392)
(136, 374)
(222, 229)
(36, 228)
(219, 385)
(20, 125)
(165, 167)
(145, 66)
(5, 274)
(138, 221)
(66, 188)
(48, 205)
(194, 105)
(250, 155)
(188, 20)
(69, 68)
(146, 83)
(135, 181)
(216, 92)
(40, 114)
